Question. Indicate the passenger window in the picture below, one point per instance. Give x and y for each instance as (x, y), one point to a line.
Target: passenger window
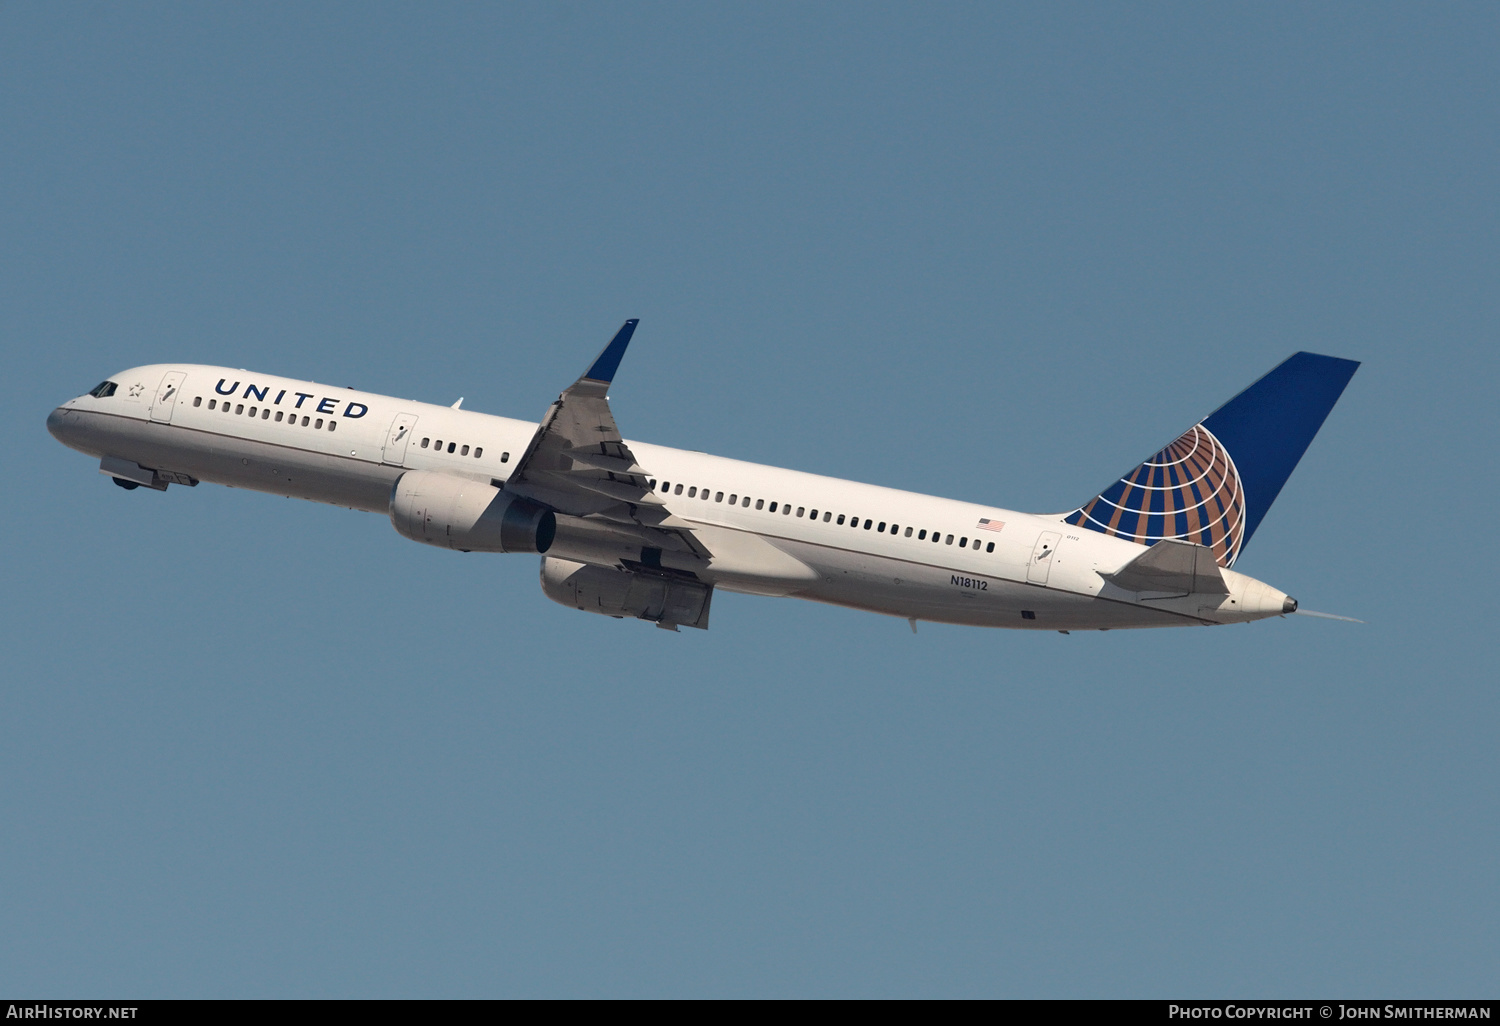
(213, 404)
(734, 500)
(745, 502)
(437, 446)
(332, 424)
(773, 507)
(319, 424)
(451, 446)
(304, 422)
(197, 400)
(882, 527)
(278, 414)
(677, 490)
(719, 497)
(963, 543)
(893, 528)
(990, 547)
(265, 414)
(253, 411)
(760, 503)
(692, 491)
(936, 537)
(786, 511)
(239, 409)
(478, 451)
(841, 520)
(464, 451)
(908, 532)
(922, 534)
(800, 509)
(505, 457)
(827, 517)
(950, 539)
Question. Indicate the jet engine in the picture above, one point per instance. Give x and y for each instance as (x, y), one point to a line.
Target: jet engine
(470, 516)
(665, 598)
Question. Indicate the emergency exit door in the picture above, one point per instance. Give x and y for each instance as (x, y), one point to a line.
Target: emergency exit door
(402, 427)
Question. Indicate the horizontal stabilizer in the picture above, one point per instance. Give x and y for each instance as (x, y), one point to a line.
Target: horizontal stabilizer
(1173, 567)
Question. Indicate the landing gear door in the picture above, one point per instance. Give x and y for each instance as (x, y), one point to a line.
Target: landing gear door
(1041, 557)
(402, 427)
(165, 400)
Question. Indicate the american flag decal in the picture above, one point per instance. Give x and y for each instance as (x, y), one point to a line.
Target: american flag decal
(991, 525)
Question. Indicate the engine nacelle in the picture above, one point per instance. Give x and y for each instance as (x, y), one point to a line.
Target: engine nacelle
(664, 599)
(470, 516)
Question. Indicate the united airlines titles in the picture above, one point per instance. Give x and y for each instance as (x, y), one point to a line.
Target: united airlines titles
(327, 404)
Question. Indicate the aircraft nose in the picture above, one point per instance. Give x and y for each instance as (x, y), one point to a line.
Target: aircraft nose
(61, 423)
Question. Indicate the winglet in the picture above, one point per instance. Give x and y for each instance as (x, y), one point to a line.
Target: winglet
(609, 361)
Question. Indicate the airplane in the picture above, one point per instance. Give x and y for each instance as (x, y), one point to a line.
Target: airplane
(628, 529)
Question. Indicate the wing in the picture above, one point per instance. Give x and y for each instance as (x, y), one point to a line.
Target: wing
(578, 464)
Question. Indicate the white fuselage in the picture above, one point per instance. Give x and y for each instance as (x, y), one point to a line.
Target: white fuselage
(915, 556)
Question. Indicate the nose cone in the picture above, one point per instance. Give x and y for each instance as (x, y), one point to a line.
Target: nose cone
(63, 424)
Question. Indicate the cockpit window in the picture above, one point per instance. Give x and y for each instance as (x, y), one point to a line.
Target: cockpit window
(104, 390)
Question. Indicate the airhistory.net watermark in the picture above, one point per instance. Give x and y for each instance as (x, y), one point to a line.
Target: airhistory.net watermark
(46, 1010)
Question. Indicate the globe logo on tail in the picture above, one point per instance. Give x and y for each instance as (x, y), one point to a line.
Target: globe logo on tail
(1189, 491)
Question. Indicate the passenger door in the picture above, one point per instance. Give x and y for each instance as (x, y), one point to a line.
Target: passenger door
(1041, 557)
(165, 399)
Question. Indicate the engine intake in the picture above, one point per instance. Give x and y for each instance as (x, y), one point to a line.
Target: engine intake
(470, 516)
(664, 599)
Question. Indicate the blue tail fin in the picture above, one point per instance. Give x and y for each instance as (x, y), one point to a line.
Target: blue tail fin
(1214, 484)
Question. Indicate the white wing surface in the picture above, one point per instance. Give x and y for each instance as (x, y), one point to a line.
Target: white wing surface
(578, 464)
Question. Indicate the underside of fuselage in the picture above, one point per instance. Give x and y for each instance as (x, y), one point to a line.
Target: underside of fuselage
(235, 462)
(936, 594)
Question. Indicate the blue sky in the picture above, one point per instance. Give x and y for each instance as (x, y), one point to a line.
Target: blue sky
(259, 747)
